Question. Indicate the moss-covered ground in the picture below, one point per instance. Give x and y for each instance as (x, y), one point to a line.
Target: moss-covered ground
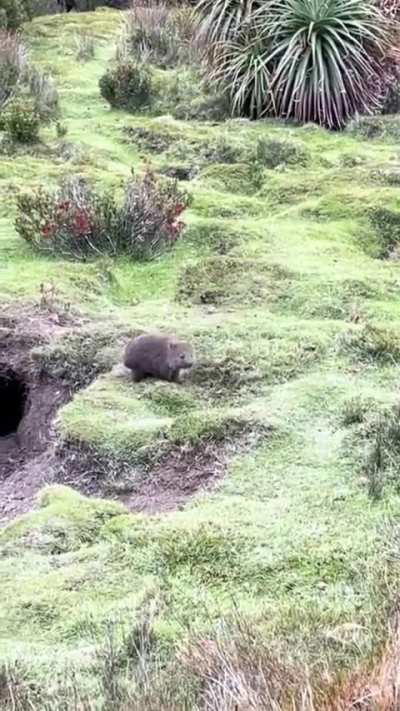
(279, 283)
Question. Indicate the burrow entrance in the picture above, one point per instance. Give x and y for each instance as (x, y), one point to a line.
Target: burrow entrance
(29, 401)
(13, 399)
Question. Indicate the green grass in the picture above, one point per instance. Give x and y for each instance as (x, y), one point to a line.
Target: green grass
(265, 283)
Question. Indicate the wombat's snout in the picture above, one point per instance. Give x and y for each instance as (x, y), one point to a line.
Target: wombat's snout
(187, 360)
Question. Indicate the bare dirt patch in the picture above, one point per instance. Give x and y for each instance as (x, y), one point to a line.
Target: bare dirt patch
(29, 404)
(165, 485)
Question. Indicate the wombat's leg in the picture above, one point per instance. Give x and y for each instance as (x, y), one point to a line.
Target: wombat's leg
(137, 376)
(175, 376)
(165, 373)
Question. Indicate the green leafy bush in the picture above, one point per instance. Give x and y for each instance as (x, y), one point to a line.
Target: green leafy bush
(78, 222)
(128, 85)
(22, 122)
(13, 13)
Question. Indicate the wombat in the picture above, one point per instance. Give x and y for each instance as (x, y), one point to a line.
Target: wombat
(157, 355)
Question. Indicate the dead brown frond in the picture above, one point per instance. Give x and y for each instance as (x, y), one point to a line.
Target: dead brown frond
(238, 671)
(376, 689)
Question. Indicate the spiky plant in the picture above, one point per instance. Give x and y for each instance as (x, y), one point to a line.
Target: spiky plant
(311, 60)
(239, 66)
(325, 58)
(223, 20)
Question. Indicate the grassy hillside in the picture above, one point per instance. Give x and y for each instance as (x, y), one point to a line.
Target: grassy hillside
(280, 284)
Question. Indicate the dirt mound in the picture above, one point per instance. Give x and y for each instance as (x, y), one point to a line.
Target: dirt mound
(165, 487)
(29, 404)
(165, 484)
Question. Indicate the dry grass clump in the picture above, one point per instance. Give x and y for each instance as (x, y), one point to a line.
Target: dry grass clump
(374, 443)
(382, 457)
(13, 65)
(85, 45)
(224, 280)
(376, 689)
(371, 343)
(237, 670)
(234, 669)
(355, 410)
(162, 33)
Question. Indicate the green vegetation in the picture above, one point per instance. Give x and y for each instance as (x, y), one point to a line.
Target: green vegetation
(13, 13)
(286, 282)
(128, 85)
(21, 122)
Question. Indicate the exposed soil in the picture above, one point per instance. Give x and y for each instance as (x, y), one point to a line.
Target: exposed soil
(177, 478)
(24, 451)
(165, 487)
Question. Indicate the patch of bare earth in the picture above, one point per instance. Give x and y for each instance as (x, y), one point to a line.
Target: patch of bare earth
(26, 433)
(166, 486)
(177, 478)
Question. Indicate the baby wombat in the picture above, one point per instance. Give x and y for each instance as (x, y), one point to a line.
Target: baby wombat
(157, 355)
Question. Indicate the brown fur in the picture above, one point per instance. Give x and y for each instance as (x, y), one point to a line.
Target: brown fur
(160, 356)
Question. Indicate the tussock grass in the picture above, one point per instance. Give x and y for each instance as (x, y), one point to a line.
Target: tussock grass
(222, 280)
(372, 344)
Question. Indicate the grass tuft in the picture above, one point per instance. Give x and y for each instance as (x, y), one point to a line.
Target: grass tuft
(372, 344)
(221, 280)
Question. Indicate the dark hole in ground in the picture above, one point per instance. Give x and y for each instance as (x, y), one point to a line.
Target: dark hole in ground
(13, 394)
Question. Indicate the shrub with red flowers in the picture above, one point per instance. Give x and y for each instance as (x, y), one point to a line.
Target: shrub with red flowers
(76, 221)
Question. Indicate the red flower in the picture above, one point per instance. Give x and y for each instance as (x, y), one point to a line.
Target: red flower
(81, 224)
(179, 209)
(48, 230)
